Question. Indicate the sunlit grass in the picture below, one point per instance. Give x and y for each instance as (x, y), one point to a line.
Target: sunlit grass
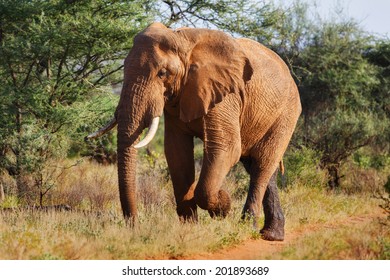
(96, 230)
(68, 235)
(369, 240)
(304, 205)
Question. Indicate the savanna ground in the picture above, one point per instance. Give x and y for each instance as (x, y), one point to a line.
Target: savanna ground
(320, 224)
(49, 103)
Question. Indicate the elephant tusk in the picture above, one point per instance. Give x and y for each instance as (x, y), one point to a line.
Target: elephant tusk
(103, 130)
(149, 136)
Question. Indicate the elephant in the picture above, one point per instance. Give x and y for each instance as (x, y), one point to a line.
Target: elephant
(235, 94)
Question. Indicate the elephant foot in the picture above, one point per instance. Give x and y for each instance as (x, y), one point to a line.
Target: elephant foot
(273, 232)
(187, 211)
(192, 218)
(223, 205)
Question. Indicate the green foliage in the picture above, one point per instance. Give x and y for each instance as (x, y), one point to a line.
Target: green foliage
(340, 113)
(368, 158)
(340, 71)
(10, 202)
(57, 59)
(379, 55)
(303, 166)
(252, 18)
(93, 114)
(387, 185)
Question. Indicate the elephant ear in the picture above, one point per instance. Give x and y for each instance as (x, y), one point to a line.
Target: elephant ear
(217, 66)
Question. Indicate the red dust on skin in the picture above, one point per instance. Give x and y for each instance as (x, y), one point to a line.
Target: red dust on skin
(235, 94)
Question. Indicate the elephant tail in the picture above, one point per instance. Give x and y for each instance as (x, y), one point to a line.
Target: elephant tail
(281, 167)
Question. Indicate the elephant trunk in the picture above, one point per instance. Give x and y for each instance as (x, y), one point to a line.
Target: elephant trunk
(127, 163)
(130, 121)
(135, 112)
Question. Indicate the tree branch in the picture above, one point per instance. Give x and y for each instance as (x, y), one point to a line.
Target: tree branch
(107, 74)
(28, 74)
(60, 65)
(12, 73)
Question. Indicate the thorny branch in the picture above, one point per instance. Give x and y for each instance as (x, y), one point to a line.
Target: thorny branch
(178, 13)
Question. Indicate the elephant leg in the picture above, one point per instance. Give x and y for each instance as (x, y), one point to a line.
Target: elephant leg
(208, 193)
(274, 218)
(263, 193)
(257, 188)
(220, 131)
(266, 156)
(222, 149)
(179, 152)
(273, 228)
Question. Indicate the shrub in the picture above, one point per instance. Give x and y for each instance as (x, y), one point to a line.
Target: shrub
(303, 166)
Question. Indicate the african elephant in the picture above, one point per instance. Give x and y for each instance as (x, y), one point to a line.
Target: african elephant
(236, 95)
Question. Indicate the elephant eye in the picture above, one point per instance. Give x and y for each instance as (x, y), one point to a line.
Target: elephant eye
(162, 73)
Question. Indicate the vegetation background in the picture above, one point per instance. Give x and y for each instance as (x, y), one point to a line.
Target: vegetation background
(60, 67)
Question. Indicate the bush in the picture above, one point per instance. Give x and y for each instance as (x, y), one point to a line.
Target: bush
(363, 179)
(303, 166)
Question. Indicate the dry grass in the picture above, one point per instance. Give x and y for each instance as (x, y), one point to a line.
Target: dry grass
(97, 231)
(29, 235)
(367, 240)
(89, 186)
(303, 205)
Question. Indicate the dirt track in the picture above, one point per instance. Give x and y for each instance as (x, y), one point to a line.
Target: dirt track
(260, 249)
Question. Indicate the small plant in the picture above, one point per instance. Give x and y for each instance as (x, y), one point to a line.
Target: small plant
(302, 165)
(385, 198)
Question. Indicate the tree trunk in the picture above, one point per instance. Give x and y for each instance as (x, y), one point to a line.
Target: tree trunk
(2, 194)
(20, 179)
(334, 177)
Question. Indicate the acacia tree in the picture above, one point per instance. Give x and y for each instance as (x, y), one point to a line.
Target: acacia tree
(379, 55)
(56, 56)
(341, 113)
(58, 60)
(343, 78)
(239, 17)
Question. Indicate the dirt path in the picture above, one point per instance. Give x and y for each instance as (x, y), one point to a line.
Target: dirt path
(260, 249)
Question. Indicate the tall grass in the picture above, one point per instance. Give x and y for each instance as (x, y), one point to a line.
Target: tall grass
(96, 230)
(366, 240)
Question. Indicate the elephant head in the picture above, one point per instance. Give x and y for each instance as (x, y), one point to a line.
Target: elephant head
(187, 71)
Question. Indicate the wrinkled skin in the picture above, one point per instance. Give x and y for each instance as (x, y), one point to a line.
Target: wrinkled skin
(234, 94)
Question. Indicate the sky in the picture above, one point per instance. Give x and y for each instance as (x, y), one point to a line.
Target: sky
(373, 15)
